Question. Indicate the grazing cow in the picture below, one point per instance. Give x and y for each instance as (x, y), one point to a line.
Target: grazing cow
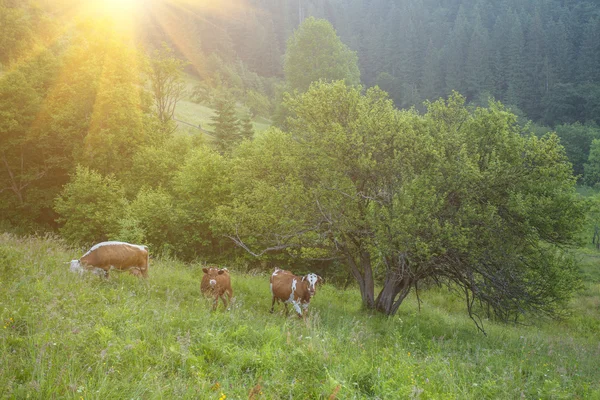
(289, 288)
(114, 255)
(216, 282)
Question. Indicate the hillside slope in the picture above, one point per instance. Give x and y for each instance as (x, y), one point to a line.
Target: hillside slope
(66, 336)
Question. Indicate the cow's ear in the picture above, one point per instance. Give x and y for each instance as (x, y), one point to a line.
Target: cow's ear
(221, 272)
(205, 270)
(319, 279)
(303, 278)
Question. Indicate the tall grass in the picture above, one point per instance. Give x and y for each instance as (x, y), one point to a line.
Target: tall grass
(70, 336)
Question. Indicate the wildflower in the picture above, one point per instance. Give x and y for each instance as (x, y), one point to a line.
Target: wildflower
(223, 397)
(216, 386)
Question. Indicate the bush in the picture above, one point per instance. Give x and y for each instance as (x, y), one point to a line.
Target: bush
(200, 187)
(153, 213)
(90, 207)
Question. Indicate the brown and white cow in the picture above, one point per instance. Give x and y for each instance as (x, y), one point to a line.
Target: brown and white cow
(114, 255)
(297, 290)
(216, 282)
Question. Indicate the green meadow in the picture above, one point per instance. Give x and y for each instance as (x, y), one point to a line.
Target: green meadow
(201, 115)
(82, 337)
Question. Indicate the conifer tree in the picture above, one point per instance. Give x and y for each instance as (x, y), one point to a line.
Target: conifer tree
(246, 128)
(515, 62)
(589, 59)
(456, 54)
(226, 125)
(477, 77)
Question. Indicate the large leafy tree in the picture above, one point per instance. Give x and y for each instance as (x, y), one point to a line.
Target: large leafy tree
(116, 126)
(454, 196)
(315, 52)
(27, 156)
(166, 79)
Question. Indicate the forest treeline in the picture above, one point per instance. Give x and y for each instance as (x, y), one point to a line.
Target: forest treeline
(450, 192)
(540, 57)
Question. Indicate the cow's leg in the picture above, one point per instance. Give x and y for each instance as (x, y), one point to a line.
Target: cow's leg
(273, 305)
(286, 309)
(224, 300)
(215, 302)
(297, 308)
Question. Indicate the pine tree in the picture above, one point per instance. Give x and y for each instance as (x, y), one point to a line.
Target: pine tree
(456, 53)
(516, 78)
(560, 51)
(478, 79)
(589, 57)
(246, 127)
(226, 125)
(536, 69)
(432, 77)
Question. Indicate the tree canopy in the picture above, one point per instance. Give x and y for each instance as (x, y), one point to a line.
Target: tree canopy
(315, 52)
(456, 196)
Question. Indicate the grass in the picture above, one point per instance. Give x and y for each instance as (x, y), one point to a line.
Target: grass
(67, 336)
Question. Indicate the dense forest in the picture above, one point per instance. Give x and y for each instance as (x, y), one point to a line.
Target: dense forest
(366, 173)
(541, 56)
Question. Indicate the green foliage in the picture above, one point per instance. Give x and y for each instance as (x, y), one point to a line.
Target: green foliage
(246, 128)
(19, 24)
(315, 52)
(258, 103)
(226, 125)
(455, 194)
(592, 167)
(64, 336)
(156, 165)
(154, 214)
(90, 207)
(116, 129)
(29, 165)
(577, 140)
(165, 71)
(200, 187)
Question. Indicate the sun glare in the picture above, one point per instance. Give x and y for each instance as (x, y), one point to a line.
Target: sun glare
(117, 8)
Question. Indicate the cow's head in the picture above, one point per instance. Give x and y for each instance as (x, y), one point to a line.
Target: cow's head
(212, 274)
(76, 266)
(311, 282)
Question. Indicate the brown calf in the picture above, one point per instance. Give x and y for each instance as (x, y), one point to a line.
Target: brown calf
(114, 255)
(289, 288)
(216, 282)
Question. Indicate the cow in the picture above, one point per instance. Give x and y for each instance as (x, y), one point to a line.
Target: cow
(289, 288)
(103, 257)
(216, 282)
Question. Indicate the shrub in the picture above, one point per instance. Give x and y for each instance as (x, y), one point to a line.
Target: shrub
(90, 207)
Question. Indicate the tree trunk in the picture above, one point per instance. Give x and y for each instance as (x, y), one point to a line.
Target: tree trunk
(393, 294)
(364, 278)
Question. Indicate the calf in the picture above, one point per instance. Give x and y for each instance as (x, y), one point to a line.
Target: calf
(114, 255)
(216, 282)
(289, 288)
